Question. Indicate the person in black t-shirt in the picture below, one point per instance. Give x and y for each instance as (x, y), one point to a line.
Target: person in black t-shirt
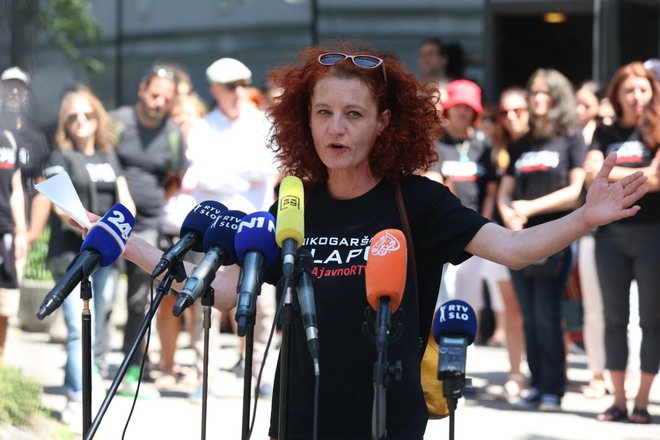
(543, 183)
(353, 127)
(630, 248)
(85, 150)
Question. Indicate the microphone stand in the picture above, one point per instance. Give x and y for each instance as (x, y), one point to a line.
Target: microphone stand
(178, 273)
(207, 303)
(286, 322)
(86, 317)
(382, 369)
(452, 390)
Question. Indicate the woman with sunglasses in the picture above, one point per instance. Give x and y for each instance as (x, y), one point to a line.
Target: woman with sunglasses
(84, 140)
(355, 127)
(629, 249)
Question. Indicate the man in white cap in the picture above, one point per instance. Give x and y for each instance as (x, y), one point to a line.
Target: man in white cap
(230, 162)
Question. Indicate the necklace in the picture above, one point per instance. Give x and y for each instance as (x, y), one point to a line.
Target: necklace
(463, 149)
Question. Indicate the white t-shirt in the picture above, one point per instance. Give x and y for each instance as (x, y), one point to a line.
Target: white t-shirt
(229, 161)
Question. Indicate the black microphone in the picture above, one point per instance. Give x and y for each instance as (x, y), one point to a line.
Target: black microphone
(104, 243)
(218, 245)
(307, 305)
(192, 232)
(255, 248)
(454, 328)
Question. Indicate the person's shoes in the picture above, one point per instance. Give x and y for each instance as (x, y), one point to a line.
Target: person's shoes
(130, 385)
(72, 416)
(195, 396)
(530, 399)
(596, 389)
(613, 414)
(640, 415)
(550, 403)
(265, 390)
(238, 369)
(513, 387)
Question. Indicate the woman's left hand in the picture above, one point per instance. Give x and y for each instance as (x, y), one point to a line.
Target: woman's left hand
(93, 218)
(608, 202)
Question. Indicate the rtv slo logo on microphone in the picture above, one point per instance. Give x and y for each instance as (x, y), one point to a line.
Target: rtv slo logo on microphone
(226, 221)
(454, 312)
(208, 210)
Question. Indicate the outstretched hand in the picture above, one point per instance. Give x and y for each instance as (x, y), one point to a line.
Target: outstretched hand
(611, 201)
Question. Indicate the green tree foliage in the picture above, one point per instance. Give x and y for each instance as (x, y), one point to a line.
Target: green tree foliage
(69, 24)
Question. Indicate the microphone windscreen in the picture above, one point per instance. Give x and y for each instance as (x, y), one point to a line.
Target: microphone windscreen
(200, 218)
(455, 317)
(290, 211)
(256, 232)
(386, 268)
(109, 235)
(221, 234)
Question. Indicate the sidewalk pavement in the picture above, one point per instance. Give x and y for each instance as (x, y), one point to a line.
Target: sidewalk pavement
(480, 415)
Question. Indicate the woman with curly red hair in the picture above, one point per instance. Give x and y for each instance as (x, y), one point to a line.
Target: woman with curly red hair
(356, 126)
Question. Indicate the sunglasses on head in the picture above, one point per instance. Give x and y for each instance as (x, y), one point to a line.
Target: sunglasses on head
(74, 116)
(363, 61)
(163, 72)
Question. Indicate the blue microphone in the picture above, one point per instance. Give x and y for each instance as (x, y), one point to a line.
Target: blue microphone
(104, 243)
(190, 237)
(218, 245)
(454, 328)
(255, 247)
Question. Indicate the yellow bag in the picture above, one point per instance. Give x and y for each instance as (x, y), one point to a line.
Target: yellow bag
(432, 387)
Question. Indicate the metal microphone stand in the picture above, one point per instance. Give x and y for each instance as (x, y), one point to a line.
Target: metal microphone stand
(383, 371)
(178, 273)
(207, 303)
(86, 317)
(452, 390)
(286, 322)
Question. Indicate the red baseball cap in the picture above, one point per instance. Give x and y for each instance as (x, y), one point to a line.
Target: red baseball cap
(463, 91)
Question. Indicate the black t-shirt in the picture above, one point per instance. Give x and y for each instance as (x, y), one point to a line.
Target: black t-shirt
(33, 153)
(631, 153)
(338, 232)
(8, 160)
(543, 166)
(467, 163)
(95, 180)
(146, 155)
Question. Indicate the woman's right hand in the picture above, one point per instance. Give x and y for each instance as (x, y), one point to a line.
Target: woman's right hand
(512, 220)
(93, 218)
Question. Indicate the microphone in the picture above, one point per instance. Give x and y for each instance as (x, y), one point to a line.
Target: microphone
(104, 243)
(307, 306)
(454, 328)
(290, 228)
(255, 248)
(218, 244)
(192, 232)
(385, 277)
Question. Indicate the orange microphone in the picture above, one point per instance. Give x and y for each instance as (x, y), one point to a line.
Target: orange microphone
(386, 269)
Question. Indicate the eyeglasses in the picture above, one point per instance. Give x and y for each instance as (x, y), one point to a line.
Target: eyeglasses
(518, 111)
(89, 116)
(235, 84)
(363, 61)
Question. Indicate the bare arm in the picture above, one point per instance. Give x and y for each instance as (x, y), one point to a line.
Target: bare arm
(17, 204)
(488, 208)
(124, 195)
(147, 256)
(40, 212)
(606, 202)
(510, 217)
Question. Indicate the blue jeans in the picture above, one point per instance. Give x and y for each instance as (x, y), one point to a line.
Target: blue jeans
(540, 301)
(104, 286)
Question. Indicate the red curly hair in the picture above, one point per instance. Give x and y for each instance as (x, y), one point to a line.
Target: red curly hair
(404, 146)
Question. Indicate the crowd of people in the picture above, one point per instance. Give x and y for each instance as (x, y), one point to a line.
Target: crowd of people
(487, 187)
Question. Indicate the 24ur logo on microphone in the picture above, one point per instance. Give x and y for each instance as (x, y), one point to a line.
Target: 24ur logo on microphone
(386, 243)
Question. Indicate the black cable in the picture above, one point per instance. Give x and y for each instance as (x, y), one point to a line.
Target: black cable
(144, 358)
